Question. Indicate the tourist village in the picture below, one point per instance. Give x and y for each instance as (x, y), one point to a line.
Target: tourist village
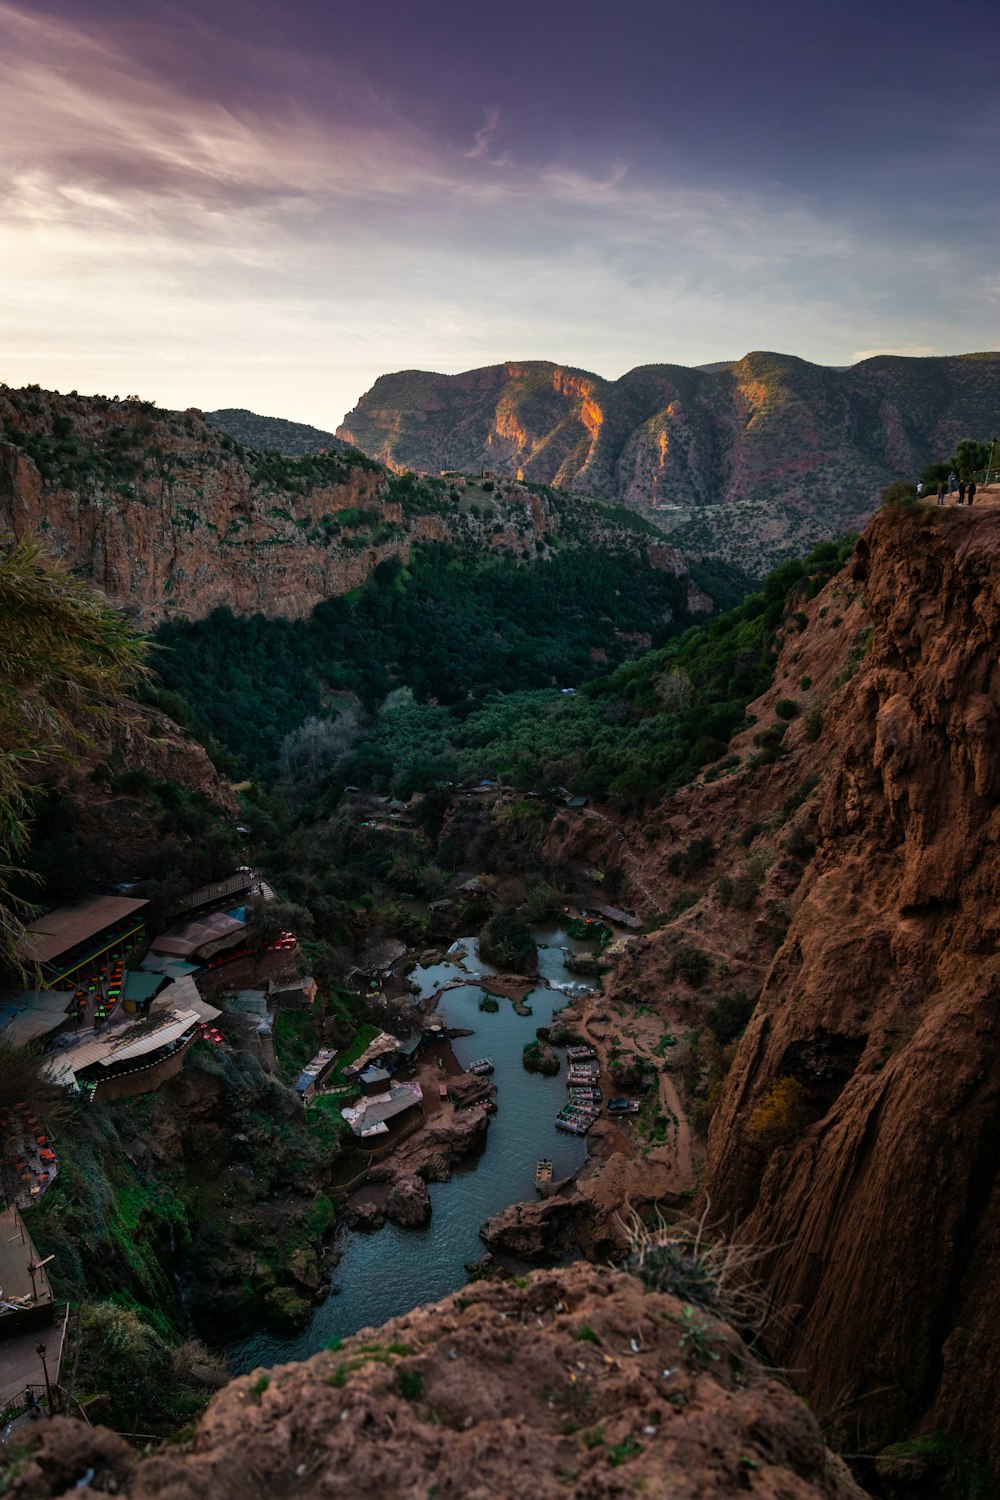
(114, 1010)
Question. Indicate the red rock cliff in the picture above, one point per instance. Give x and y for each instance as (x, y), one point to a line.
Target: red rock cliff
(878, 1191)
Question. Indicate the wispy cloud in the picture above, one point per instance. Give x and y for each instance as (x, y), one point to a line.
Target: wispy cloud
(484, 137)
(281, 235)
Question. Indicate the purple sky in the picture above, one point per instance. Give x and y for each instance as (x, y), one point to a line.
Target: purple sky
(241, 203)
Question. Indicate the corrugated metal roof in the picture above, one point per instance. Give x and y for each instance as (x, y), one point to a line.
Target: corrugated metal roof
(121, 1042)
(140, 986)
(156, 1039)
(156, 963)
(58, 931)
(32, 1014)
(218, 929)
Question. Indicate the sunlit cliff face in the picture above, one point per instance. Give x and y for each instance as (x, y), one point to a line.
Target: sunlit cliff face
(591, 416)
(508, 426)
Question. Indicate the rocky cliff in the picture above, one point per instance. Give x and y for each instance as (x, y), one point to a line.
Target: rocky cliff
(843, 864)
(753, 460)
(879, 1193)
(170, 518)
(577, 1383)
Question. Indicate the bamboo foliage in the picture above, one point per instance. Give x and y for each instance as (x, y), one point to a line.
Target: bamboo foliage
(68, 662)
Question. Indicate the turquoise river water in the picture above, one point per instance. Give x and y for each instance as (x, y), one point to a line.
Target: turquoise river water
(384, 1274)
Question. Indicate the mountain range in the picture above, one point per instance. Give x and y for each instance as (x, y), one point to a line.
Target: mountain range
(753, 461)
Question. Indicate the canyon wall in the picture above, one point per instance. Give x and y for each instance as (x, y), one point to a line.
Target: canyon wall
(756, 459)
(171, 518)
(851, 881)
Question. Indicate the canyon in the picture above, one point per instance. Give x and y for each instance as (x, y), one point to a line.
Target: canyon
(171, 519)
(816, 979)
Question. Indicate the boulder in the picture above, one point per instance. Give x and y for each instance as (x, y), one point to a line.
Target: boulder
(409, 1202)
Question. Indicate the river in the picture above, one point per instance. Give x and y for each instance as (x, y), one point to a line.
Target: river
(387, 1273)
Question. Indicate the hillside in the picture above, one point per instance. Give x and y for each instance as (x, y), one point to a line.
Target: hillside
(172, 519)
(289, 438)
(830, 886)
(753, 461)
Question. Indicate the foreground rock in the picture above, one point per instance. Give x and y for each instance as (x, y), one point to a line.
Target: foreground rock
(580, 1385)
(537, 1232)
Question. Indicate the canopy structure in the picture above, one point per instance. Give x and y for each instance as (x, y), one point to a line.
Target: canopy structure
(33, 1015)
(65, 941)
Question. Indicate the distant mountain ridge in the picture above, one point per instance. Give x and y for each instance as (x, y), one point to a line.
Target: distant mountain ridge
(753, 460)
(289, 438)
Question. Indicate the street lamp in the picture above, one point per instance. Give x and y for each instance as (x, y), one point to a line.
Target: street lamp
(40, 1351)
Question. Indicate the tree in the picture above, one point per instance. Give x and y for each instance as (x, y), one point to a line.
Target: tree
(67, 662)
(970, 456)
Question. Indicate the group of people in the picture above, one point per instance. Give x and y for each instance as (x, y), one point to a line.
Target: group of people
(966, 492)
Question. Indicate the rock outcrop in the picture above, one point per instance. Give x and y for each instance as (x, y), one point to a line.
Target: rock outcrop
(758, 458)
(579, 1383)
(409, 1202)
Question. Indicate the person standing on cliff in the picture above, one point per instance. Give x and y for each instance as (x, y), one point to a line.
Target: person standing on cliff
(971, 495)
(940, 497)
(920, 489)
(961, 492)
(952, 481)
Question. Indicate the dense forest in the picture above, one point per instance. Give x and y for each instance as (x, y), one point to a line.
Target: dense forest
(455, 668)
(450, 627)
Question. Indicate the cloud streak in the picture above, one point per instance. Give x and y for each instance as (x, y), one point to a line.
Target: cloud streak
(283, 236)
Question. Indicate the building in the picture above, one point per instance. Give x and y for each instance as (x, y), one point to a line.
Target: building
(315, 1073)
(371, 1114)
(68, 944)
(128, 1060)
(292, 994)
(36, 1016)
(25, 1294)
(202, 939)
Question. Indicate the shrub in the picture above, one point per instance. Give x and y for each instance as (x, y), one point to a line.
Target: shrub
(813, 726)
(781, 1114)
(786, 708)
(798, 844)
(746, 885)
(728, 1014)
(692, 964)
(507, 942)
(698, 854)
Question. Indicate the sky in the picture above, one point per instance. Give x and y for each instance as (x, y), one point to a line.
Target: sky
(268, 205)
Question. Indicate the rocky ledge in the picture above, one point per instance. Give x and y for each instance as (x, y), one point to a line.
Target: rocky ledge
(577, 1383)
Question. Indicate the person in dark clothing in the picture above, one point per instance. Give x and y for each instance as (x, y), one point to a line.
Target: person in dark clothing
(961, 492)
(941, 493)
(971, 494)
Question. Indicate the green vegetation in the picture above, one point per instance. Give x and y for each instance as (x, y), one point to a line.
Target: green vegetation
(66, 662)
(506, 941)
(538, 1058)
(452, 627)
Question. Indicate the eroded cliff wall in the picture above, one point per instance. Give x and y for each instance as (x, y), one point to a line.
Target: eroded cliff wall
(754, 461)
(171, 518)
(882, 1003)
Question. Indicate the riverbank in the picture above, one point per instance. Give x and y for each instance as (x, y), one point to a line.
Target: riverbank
(384, 1274)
